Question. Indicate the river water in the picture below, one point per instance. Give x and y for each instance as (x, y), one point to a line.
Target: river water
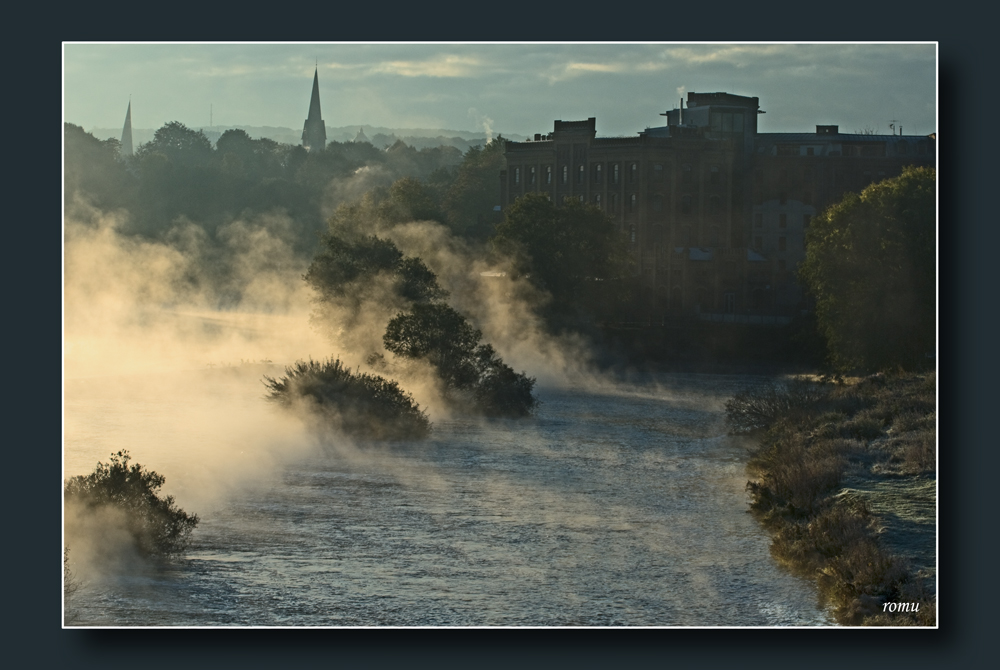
(619, 504)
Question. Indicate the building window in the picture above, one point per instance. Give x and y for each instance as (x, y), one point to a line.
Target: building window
(758, 220)
(810, 151)
(685, 204)
(531, 175)
(597, 173)
(730, 302)
(632, 172)
(658, 171)
(614, 173)
(517, 175)
(782, 220)
(565, 174)
(685, 174)
(781, 244)
(579, 174)
(613, 203)
(631, 203)
(657, 203)
(631, 232)
(714, 177)
(597, 199)
(580, 198)
(548, 174)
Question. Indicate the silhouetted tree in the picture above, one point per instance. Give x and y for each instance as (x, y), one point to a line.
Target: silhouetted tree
(344, 261)
(475, 191)
(870, 265)
(575, 252)
(472, 373)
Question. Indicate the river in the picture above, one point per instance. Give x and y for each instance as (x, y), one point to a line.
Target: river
(619, 504)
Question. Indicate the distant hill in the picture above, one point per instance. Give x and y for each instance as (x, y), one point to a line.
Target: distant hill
(379, 136)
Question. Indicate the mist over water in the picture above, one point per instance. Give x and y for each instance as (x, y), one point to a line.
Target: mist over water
(617, 504)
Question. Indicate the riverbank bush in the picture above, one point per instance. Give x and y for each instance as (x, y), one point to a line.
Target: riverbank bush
(807, 447)
(360, 404)
(761, 406)
(156, 526)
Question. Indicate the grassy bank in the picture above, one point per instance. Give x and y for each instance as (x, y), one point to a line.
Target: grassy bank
(844, 476)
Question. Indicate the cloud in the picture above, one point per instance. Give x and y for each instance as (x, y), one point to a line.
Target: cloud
(440, 66)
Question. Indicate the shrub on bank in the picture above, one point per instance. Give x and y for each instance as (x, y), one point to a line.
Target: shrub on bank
(154, 523)
(882, 426)
(761, 406)
(360, 404)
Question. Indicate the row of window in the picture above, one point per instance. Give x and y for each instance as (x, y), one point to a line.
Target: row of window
(715, 206)
(758, 220)
(597, 174)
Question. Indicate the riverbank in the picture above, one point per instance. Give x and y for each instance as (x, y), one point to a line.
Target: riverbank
(844, 477)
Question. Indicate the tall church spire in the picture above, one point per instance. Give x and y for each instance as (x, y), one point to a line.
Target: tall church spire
(314, 130)
(126, 148)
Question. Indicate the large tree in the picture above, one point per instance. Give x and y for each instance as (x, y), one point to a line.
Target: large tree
(575, 252)
(870, 266)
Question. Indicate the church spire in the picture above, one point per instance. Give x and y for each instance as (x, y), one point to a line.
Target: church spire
(126, 148)
(314, 130)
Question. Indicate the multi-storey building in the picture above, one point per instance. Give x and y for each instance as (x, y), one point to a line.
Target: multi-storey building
(715, 212)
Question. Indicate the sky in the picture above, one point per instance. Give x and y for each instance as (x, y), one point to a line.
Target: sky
(507, 88)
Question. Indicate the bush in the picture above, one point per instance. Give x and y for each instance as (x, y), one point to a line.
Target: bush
(760, 407)
(155, 524)
(361, 404)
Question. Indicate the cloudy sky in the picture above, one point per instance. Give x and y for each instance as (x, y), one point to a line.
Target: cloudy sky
(506, 88)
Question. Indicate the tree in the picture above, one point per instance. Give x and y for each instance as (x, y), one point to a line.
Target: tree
(157, 526)
(870, 266)
(361, 404)
(473, 374)
(575, 252)
(343, 262)
(179, 144)
(475, 191)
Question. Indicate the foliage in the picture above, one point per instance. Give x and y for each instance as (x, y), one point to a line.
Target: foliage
(759, 407)
(157, 526)
(470, 371)
(870, 265)
(361, 404)
(575, 252)
(179, 144)
(475, 190)
(879, 427)
(344, 262)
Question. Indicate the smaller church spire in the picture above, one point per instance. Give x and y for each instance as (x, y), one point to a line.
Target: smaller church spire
(126, 148)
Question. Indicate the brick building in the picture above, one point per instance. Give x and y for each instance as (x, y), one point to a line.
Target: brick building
(714, 211)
